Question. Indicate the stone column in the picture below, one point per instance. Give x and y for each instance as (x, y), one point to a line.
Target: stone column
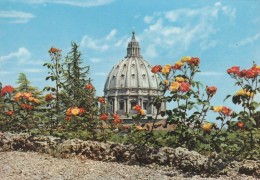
(127, 105)
(115, 104)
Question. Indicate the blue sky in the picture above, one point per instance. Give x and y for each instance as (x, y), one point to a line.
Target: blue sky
(221, 33)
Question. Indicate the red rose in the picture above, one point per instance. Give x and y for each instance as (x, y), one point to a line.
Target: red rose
(116, 121)
(194, 61)
(184, 87)
(67, 118)
(104, 117)
(252, 72)
(211, 90)
(81, 110)
(24, 106)
(10, 113)
(176, 66)
(226, 110)
(157, 69)
(6, 89)
(115, 116)
(234, 70)
(49, 97)
(137, 108)
(242, 73)
(89, 86)
(54, 50)
(101, 100)
(240, 124)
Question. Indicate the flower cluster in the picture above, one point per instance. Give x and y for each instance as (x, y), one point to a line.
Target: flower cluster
(211, 90)
(240, 124)
(207, 127)
(6, 89)
(157, 69)
(49, 97)
(139, 109)
(104, 117)
(67, 118)
(179, 85)
(89, 86)
(181, 79)
(222, 109)
(116, 119)
(54, 50)
(178, 65)
(27, 95)
(26, 106)
(166, 69)
(191, 61)
(243, 92)
(101, 100)
(250, 73)
(75, 111)
(194, 61)
(10, 113)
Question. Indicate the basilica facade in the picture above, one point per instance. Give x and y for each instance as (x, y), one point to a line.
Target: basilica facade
(131, 82)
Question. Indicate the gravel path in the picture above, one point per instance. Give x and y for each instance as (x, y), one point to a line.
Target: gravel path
(32, 165)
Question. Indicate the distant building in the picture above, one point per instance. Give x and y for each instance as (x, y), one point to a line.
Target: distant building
(131, 82)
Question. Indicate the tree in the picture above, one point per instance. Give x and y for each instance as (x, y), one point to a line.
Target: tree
(75, 78)
(24, 86)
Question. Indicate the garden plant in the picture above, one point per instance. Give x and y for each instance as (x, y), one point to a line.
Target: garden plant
(71, 109)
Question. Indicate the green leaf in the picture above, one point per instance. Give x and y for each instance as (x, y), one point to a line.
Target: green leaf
(228, 96)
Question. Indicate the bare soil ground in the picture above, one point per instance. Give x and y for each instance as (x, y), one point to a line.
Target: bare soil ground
(16, 165)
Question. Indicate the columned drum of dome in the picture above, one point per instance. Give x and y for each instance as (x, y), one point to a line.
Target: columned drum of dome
(131, 82)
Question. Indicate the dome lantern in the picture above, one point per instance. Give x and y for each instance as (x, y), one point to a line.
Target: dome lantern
(133, 49)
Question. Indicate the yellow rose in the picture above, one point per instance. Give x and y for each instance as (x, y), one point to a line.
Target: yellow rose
(207, 127)
(240, 92)
(217, 108)
(184, 59)
(166, 69)
(165, 82)
(75, 111)
(174, 86)
(139, 128)
(249, 94)
(179, 63)
(17, 96)
(141, 112)
(180, 79)
(36, 100)
(31, 99)
(27, 95)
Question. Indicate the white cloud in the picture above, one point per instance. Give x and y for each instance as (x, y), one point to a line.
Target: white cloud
(80, 3)
(33, 70)
(22, 56)
(150, 51)
(148, 19)
(179, 29)
(100, 74)
(104, 43)
(122, 41)
(208, 44)
(111, 34)
(16, 16)
(95, 44)
(95, 60)
(211, 73)
(248, 40)
(2, 73)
